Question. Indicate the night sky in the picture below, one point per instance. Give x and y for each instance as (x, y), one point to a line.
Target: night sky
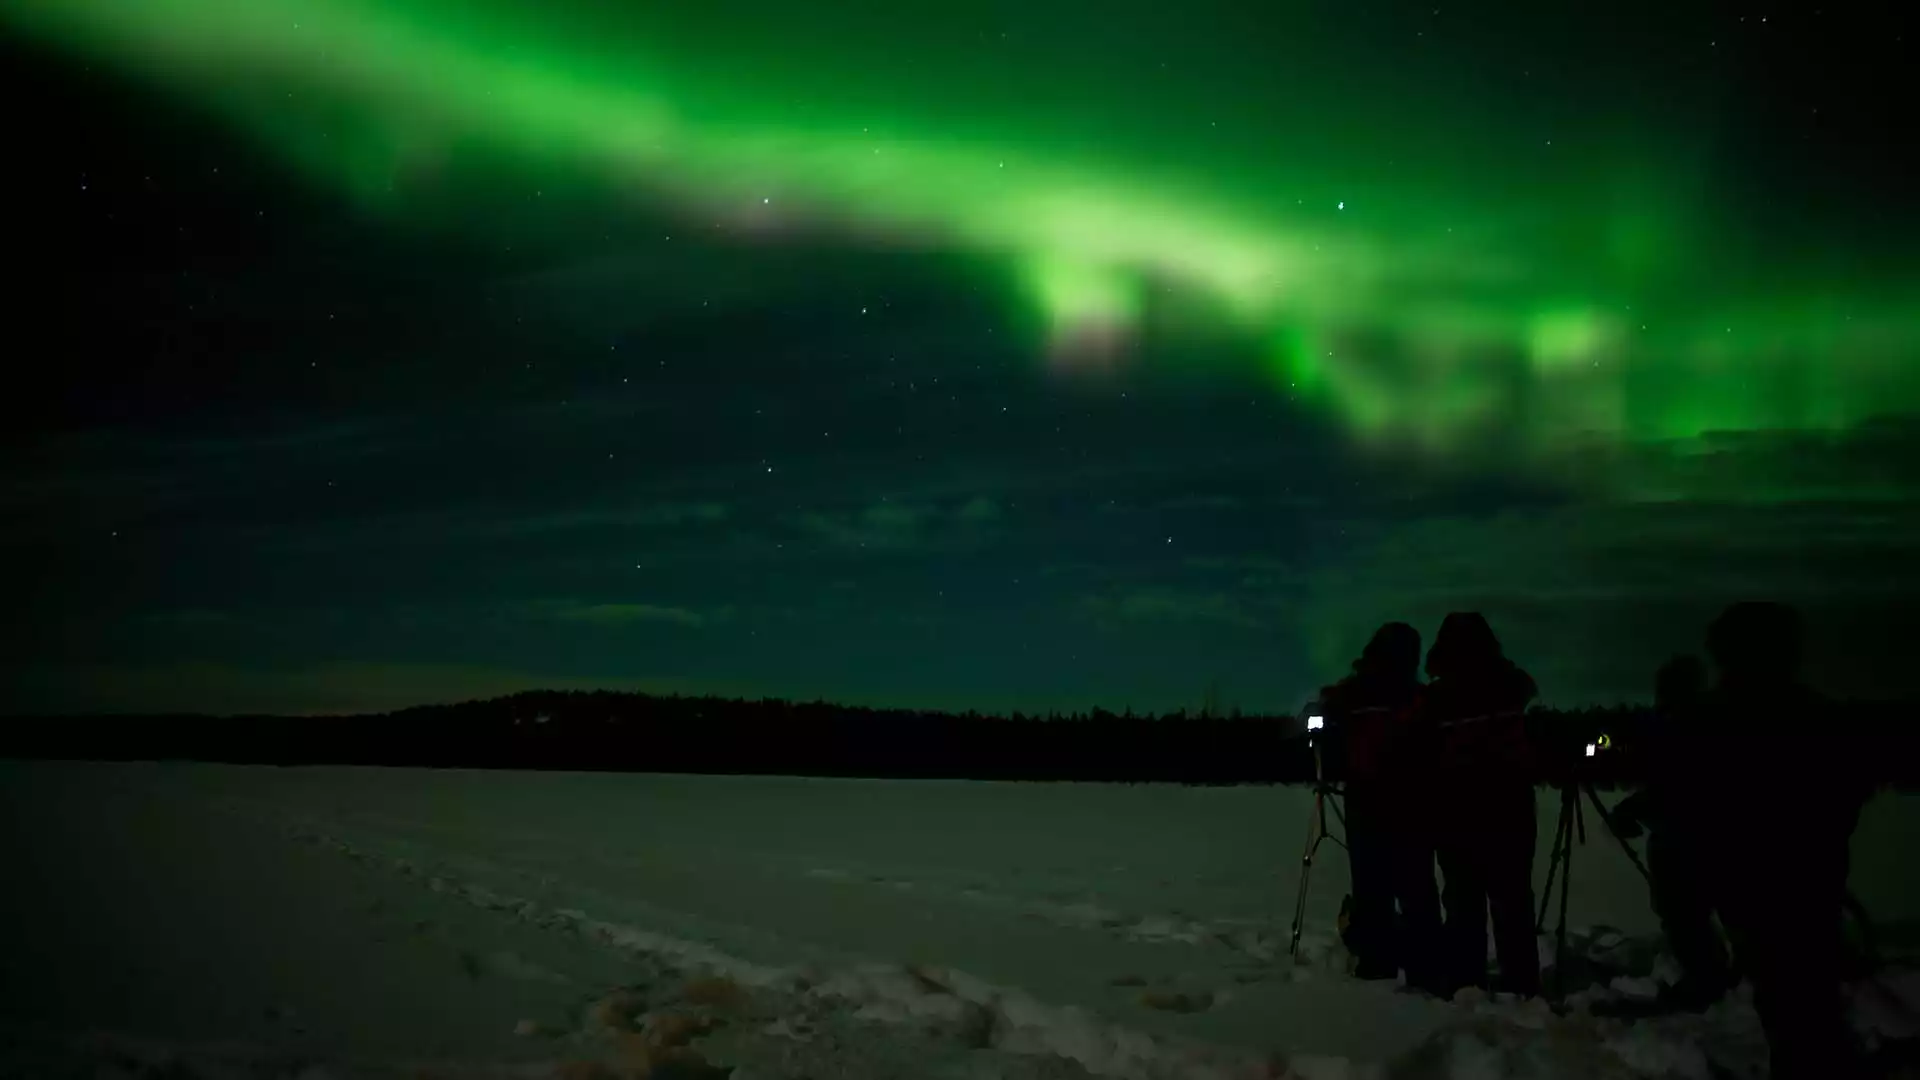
(1000, 354)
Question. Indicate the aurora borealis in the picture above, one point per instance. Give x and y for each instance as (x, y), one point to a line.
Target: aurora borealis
(1213, 279)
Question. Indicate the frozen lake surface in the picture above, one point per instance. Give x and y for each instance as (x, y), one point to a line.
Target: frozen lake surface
(201, 920)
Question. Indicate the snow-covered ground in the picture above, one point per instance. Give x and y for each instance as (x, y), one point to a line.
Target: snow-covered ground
(195, 920)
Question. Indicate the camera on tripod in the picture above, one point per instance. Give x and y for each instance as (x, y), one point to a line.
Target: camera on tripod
(1323, 735)
(1599, 749)
(1575, 753)
(1322, 741)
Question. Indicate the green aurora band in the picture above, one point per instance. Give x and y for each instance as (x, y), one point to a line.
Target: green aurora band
(1392, 260)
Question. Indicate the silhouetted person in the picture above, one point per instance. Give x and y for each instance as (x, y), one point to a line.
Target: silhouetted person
(1484, 810)
(1768, 805)
(1388, 847)
(1681, 889)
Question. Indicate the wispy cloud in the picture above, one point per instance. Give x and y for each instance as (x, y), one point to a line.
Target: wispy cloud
(1263, 574)
(632, 614)
(1873, 462)
(664, 515)
(978, 510)
(1163, 606)
(894, 524)
(883, 525)
(653, 522)
(1210, 503)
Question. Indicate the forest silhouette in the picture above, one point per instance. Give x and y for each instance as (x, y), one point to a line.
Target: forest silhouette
(631, 732)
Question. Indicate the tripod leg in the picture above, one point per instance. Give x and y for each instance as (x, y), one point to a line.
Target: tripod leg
(1606, 818)
(1560, 834)
(1570, 801)
(1316, 829)
(1339, 816)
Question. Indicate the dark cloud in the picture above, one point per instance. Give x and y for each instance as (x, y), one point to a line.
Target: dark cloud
(1592, 597)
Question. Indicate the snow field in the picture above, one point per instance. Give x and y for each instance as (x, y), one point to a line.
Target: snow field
(218, 921)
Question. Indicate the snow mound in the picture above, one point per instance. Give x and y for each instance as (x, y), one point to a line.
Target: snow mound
(986, 1016)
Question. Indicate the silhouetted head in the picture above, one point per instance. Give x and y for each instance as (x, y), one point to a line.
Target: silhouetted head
(1394, 653)
(1757, 641)
(1679, 682)
(1465, 646)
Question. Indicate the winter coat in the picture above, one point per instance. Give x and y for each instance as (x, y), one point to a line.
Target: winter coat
(1758, 763)
(1479, 729)
(1375, 722)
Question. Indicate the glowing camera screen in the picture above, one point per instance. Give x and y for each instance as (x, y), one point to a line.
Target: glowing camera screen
(1315, 723)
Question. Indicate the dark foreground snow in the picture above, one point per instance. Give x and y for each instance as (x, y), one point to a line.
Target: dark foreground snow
(206, 921)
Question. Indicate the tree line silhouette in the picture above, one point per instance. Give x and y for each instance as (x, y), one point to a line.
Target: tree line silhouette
(628, 732)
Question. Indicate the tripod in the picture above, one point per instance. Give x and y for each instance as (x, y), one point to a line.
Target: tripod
(1571, 830)
(1324, 796)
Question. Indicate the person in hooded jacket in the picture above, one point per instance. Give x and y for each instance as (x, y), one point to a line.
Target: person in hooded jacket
(1395, 914)
(1484, 811)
